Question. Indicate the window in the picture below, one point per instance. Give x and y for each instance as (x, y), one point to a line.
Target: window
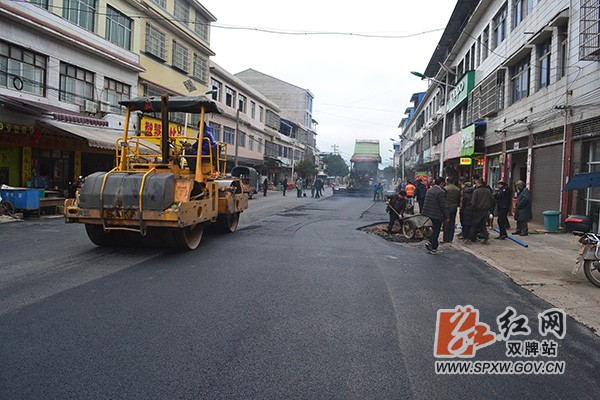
(259, 145)
(261, 112)
(228, 135)
(229, 96)
(115, 91)
(521, 9)
(563, 49)
(76, 84)
(118, 28)
(519, 77)
(485, 43)
(155, 42)
(80, 12)
(252, 109)
(242, 103)
(182, 11)
(478, 50)
(151, 90)
(201, 26)
(251, 142)
(162, 3)
(468, 61)
(40, 3)
(499, 27)
(216, 86)
(180, 56)
(544, 51)
(200, 68)
(22, 69)
(473, 66)
(241, 139)
(216, 130)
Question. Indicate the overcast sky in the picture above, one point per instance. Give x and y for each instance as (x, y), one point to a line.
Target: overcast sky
(362, 85)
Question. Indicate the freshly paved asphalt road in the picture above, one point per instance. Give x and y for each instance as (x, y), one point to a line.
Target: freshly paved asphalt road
(297, 304)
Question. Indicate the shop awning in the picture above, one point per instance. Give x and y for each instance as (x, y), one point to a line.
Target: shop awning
(102, 138)
(583, 181)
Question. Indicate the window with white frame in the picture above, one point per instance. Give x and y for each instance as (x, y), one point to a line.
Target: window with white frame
(251, 142)
(201, 26)
(115, 91)
(229, 96)
(118, 28)
(228, 135)
(563, 49)
(22, 69)
(80, 12)
(180, 56)
(76, 84)
(544, 52)
(499, 27)
(241, 139)
(155, 42)
(485, 43)
(200, 68)
(259, 145)
(478, 50)
(242, 103)
(252, 109)
(217, 87)
(521, 8)
(216, 130)
(519, 78)
(261, 113)
(161, 3)
(181, 11)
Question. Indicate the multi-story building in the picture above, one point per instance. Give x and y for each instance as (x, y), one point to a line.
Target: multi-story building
(521, 79)
(63, 69)
(295, 104)
(245, 112)
(65, 65)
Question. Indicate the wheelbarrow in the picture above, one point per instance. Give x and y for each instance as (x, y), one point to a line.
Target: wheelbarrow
(416, 226)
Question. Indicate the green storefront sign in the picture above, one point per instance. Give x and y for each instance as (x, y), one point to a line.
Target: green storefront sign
(467, 141)
(461, 90)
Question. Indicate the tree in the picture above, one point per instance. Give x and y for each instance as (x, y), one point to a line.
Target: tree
(306, 168)
(335, 165)
(389, 173)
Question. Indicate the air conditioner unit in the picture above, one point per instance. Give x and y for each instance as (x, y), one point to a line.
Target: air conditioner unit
(89, 106)
(105, 108)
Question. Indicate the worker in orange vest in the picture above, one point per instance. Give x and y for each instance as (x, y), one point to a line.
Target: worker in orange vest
(410, 194)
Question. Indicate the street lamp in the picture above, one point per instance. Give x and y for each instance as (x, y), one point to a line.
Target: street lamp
(446, 84)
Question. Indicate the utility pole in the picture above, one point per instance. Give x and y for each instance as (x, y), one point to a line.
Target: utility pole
(335, 148)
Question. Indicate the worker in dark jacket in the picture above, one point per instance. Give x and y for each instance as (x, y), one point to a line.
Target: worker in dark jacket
(466, 209)
(503, 197)
(452, 203)
(420, 191)
(523, 209)
(435, 209)
(396, 206)
(482, 201)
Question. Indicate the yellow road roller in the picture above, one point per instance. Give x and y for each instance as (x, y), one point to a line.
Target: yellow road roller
(165, 189)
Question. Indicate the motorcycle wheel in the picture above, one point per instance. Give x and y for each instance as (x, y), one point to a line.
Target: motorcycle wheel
(592, 272)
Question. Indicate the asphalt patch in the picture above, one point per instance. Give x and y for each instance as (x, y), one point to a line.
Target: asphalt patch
(381, 230)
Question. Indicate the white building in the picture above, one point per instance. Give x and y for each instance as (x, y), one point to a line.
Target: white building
(521, 100)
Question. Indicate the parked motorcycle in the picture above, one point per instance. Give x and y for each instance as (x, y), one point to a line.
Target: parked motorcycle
(589, 256)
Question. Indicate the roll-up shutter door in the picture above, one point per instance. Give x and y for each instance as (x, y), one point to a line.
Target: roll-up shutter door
(545, 181)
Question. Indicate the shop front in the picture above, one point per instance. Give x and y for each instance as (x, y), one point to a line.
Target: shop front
(464, 152)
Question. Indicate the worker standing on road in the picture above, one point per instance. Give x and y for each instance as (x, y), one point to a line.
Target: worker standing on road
(410, 194)
(503, 198)
(523, 209)
(435, 209)
(452, 203)
(396, 206)
(299, 183)
(482, 201)
(420, 191)
(284, 184)
(265, 186)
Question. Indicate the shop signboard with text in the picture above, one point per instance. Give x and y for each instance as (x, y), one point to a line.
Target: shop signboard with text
(153, 127)
(461, 90)
(472, 140)
(452, 146)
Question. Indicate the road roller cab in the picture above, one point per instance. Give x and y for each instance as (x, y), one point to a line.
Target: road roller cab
(165, 190)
